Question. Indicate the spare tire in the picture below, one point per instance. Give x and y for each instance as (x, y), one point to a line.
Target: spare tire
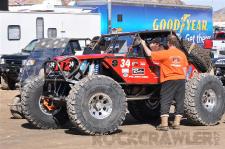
(198, 56)
(204, 99)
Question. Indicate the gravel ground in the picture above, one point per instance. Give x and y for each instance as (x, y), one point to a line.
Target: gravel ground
(18, 134)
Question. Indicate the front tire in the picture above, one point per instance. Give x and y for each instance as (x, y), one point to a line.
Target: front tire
(97, 105)
(36, 109)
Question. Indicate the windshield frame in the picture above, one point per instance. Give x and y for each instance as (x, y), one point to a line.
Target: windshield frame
(113, 44)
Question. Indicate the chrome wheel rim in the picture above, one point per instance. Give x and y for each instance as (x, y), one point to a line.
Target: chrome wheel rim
(209, 99)
(100, 106)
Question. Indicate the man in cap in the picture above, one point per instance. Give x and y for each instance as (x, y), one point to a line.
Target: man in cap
(155, 44)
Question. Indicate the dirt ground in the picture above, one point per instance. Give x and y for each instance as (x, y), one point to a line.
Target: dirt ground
(18, 134)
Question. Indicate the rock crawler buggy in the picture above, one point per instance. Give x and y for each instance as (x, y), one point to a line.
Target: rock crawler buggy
(94, 91)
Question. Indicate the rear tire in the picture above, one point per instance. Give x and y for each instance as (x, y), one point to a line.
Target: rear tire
(145, 110)
(97, 105)
(33, 109)
(204, 103)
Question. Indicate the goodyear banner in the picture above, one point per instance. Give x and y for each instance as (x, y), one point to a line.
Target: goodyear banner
(191, 23)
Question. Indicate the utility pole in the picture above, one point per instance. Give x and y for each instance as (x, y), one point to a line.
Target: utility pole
(109, 16)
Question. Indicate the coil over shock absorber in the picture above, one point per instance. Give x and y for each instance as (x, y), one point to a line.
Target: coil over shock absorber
(94, 68)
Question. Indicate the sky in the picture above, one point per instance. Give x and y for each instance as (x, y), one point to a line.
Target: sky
(216, 4)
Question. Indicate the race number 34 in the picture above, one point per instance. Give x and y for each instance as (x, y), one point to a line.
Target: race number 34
(125, 63)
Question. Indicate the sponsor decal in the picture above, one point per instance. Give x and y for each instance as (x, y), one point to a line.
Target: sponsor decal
(143, 64)
(139, 77)
(138, 71)
(125, 72)
(134, 64)
(114, 63)
(185, 23)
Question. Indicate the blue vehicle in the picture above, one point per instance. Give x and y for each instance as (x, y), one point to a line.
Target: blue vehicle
(46, 49)
(11, 64)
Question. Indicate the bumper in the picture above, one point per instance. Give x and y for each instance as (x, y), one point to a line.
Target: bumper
(11, 71)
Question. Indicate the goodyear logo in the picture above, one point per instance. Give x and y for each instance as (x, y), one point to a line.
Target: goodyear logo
(180, 25)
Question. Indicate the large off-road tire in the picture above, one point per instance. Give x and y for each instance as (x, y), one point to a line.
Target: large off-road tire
(35, 111)
(7, 84)
(204, 100)
(15, 108)
(97, 105)
(199, 57)
(144, 110)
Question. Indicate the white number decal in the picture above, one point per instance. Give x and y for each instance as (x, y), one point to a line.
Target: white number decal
(125, 63)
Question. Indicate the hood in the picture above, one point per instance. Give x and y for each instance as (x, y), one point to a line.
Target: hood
(21, 56)
(216, 59)
(46, 53)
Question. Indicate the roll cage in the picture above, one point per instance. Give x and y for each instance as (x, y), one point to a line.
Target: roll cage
(114, 43)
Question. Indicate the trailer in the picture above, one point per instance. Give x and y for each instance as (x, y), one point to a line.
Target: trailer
(193, 23)
(19, 28)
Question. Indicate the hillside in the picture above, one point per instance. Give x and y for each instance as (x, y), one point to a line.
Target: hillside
(24, 2)
(219, 16)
